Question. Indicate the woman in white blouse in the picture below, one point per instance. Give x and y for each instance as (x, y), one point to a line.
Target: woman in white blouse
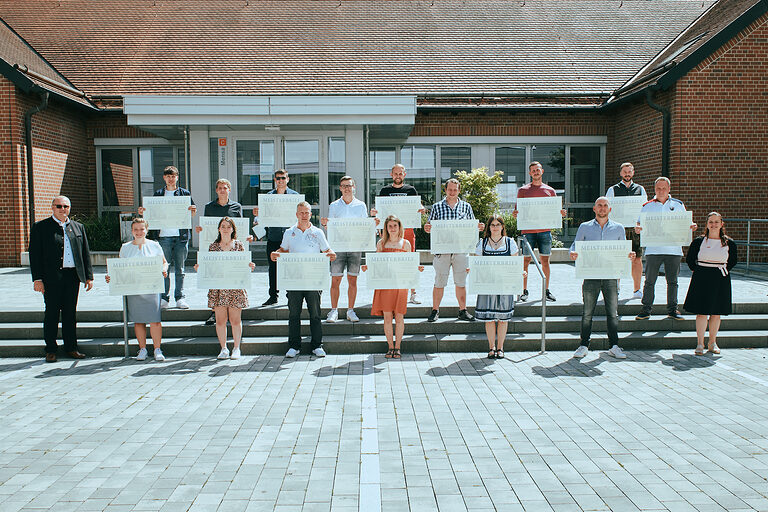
(144, 309)
(711, 258)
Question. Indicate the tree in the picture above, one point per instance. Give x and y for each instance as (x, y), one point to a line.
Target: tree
(479, 190)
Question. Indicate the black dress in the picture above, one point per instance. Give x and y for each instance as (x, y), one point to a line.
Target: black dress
(709, 292)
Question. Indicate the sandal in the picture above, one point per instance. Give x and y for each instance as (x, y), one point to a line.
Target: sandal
(699, 351)
(714, 350)
(389, 353)
(491, 354)
(396, 354)
(499, 353)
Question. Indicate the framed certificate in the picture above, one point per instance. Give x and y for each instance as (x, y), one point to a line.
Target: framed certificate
(625, 210)
(278, 210)
(666, 228)
(539, 213)
(224, 270)
(210, 230)
(495, 275)
(303, 271)
(392, 270)
(603, 259)
(135, 276)
(453, 236)
(405, 208)
(352, 234)
(168, 212)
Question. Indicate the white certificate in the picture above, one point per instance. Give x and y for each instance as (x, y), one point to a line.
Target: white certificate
(278, 210)
(625, 210)
(352, 234)
(405, 208)
(303, 271)
(392, 270)
(210, 230)
(603, 259)
(135, 276)
(224, 270)
(453, 236)
(666, 228)
(539, 213)
(168, 212)
(495, 275)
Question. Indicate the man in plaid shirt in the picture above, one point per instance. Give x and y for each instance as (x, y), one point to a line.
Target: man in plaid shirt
(450, 208)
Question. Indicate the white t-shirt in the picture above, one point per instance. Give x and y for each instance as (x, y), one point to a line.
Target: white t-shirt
(311, 240)
(340, 209)
(169, 232)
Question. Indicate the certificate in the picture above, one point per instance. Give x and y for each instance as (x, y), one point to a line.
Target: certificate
(539, 213)
(224, 270)
(352, 234)
(666, 228)
(303, 271)
(168, 212)
(405, 208)
(278, 210)
(603, 259)
(392, 270)
(453, 236)
(135, 276)
(210, 230)
(625, 210)
(495, 275)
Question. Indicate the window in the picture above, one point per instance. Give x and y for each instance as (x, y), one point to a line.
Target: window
(380, 162)
(302, 161)
(511, 161)
(337, 166)
(552, 159)
(117, 192)
(585, 174)
(453, 159)
(419, 162)
(255, 162)
(153, 160)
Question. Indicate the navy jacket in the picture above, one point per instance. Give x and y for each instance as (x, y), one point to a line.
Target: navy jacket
(184, 234)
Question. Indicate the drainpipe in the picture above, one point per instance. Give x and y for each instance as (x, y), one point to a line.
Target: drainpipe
(665, 135)
(28, 136)
(186, 157)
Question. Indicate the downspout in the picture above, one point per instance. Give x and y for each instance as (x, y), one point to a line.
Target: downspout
(665, 135)
(30, 171)
(186, 157)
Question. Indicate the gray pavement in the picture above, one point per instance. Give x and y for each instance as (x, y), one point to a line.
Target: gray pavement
(451, 431)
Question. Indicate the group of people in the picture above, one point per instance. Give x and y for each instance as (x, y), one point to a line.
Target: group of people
(60, 261)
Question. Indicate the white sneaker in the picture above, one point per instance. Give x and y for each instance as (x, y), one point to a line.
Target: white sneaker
(235, 353)
(319, 352)
(182, 304)
(164, 304)
(616, 352)
(224, 354)
(352, 316)
(292, 352)
(637, 295)
(159, 357)
(142, 356)
(581, 351)
(333, 315)
(414, 298)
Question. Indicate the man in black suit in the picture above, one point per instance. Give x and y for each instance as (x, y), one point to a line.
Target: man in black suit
(60, 261)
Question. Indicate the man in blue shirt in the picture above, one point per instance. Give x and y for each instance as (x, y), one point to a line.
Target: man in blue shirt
(600, 228)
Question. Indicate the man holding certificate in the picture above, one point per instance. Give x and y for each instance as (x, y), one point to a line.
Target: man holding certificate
(347, 206)
(303, 237)
(655, 256)
(600, 228)
(628, 188)
(450, 208)
(541, 238)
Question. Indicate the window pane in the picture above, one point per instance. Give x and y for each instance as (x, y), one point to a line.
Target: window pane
(302, 161)
(117, 178)
(337, 166)
(511, 161)
(255, 158)
(454, 159)
(552, 158)
(419, 162)
(213, 163)
(585, 174)
(380, 162)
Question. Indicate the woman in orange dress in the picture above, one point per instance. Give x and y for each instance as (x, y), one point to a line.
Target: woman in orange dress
(392, 303)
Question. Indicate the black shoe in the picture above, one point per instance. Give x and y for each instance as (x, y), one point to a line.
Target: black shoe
(675, 315)
(550, 297)
(464, 315)
(523, 296)
(643, 316)
(270, 302)
(434, 315)
(211, 319)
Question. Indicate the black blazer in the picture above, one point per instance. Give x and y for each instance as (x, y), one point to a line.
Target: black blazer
(184, 234)
(46, 249)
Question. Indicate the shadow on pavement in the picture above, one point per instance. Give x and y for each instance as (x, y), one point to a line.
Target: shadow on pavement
(84, 368)
(20, 366)
(177, 367)
(268, 364)
(685, 362)
(571, 367)
(474, 367)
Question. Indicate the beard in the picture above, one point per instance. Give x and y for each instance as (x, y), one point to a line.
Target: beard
(397, 181)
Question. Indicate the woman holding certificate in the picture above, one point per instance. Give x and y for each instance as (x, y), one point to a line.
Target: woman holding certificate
(710, 258)
(144, 309)
(228, 304)
(392, 303)
(495, 310)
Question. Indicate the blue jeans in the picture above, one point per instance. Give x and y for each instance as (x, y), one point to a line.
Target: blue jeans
(541, 240)
(590, 290)
(175, 250)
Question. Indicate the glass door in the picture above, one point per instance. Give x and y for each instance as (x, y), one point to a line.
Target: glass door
(254, 170)
(511, 161)
(584, 184)
(302, 161)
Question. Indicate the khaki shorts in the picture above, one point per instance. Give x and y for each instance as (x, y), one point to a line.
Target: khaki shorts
(442, 264)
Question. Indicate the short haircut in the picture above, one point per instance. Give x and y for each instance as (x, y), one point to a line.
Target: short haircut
(533, 164)
(224, 181)
(281, 172)
(304, 203)
(139, 220)
(53, 201)
(627, 164)
(171, 170)
(606, 200)
(453, 180)
(663, 178)
(346, 178)
(401, 166)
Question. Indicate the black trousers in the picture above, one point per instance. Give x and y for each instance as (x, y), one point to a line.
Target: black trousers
(272, 247)
(295, 300)
(61, 291)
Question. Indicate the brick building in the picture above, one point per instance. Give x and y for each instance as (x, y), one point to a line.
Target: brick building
(236, 89)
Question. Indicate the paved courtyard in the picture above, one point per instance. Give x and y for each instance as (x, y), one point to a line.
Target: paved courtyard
(660, 431)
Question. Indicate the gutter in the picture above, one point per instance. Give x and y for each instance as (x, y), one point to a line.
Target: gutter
(665, 132)
(28, 138)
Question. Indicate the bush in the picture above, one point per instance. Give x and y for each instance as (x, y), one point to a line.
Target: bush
(103, 231)
(479, 190)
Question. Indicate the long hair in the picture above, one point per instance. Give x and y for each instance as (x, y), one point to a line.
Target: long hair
(493, 217)
(385, 234)
(234, 229)
(723, 237)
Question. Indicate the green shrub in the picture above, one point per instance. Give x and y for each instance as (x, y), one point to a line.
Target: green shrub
(478, 188)
(103, 231)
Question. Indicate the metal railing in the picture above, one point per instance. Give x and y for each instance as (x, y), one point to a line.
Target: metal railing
(523, 240)
(749, 242)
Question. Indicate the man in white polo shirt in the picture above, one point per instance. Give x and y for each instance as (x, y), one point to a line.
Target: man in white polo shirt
(303, 237)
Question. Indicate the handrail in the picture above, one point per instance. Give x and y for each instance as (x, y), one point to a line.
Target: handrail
(522, 240)
(749, 242)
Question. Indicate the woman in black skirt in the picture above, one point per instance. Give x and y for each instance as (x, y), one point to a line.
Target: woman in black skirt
(710, 258)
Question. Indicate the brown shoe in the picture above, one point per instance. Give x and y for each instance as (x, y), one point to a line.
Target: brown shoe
(50, 357)
(76, 355)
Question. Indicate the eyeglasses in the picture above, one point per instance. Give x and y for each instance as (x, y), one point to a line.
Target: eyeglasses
(281, 178)
(60, 206)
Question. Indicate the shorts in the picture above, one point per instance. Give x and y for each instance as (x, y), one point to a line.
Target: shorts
(635, 237)
(349, 260)
(541, 240)
(442, 264)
